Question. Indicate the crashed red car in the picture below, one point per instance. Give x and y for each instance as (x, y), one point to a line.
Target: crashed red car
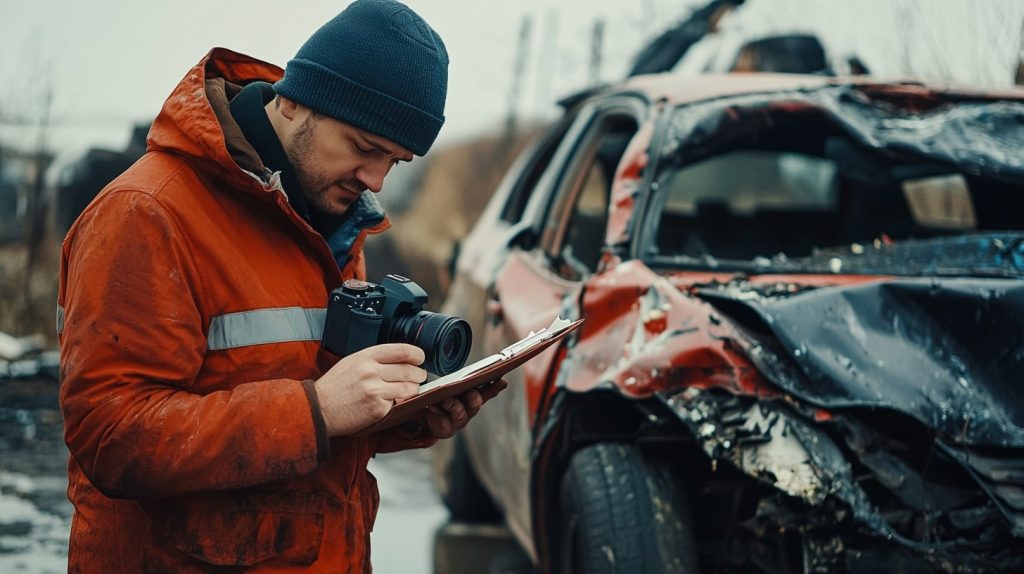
(804, 337)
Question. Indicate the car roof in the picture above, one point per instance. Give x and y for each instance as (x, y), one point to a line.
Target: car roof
(677, 89)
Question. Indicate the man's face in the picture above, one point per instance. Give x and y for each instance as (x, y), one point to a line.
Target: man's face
(335, 162)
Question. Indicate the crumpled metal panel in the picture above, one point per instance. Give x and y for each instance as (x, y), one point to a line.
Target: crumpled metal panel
(1001, 475)
(647, 332)
(766, 442)
(773, 442)
(643, 334)
(948, 352)
(977, 137)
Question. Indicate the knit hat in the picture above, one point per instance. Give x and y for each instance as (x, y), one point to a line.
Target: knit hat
(377, 66)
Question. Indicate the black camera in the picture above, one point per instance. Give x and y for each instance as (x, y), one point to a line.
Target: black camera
(362, 314)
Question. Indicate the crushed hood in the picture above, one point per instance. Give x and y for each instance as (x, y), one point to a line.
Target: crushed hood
(948, 352)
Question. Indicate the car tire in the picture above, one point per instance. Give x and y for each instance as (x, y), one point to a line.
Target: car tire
(622, 512)
(465, 497)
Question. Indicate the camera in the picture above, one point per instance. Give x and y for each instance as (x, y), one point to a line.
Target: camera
(361, 314)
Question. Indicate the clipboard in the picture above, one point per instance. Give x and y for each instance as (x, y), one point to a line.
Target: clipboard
(476, 374)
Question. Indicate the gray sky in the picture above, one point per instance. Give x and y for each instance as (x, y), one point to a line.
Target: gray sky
(112, 62)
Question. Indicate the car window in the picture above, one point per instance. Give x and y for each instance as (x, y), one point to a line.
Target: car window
(574, 229)
(541, 156)
(746, 182)
(728, 206)
(787, 209)
(784, 183)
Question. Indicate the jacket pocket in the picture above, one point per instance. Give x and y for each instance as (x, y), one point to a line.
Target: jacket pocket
(237, 528)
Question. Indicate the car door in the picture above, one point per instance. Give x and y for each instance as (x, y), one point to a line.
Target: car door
(557, 244)
(480, 253)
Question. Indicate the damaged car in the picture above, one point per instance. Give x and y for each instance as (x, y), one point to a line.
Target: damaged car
(803, 347)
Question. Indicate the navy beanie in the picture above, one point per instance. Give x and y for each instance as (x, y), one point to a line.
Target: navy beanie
(377, 66)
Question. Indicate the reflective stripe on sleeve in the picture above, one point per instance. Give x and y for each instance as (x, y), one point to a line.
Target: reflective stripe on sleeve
(60, 320)
(263, 326)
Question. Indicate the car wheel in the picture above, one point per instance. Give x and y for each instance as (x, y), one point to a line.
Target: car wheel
(621, 512)
(465, 497)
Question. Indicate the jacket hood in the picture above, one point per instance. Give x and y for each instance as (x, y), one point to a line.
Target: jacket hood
(187, 124)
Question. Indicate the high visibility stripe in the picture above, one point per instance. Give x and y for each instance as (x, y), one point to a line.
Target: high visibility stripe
(259, 327)
(263, 326)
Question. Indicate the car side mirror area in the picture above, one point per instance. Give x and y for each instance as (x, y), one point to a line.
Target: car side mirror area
(523, 237)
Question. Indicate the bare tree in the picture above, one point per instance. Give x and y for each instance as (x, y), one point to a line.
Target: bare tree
(596, 45)
(1018, 77)
(37, 208)
(27, 105)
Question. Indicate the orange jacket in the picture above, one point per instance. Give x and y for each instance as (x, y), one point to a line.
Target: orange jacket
(191, 304)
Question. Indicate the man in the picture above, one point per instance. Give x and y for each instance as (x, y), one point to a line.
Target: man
(207, 429)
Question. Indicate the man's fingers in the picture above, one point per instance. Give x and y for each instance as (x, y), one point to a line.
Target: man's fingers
(456, 411)
(488, 392)
(400, 391)
(400, 372)
(452, 414)
(439, 423)
(473, 401)
(390, 353)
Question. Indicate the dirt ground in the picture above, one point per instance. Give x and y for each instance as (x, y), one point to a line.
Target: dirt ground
(35, 515)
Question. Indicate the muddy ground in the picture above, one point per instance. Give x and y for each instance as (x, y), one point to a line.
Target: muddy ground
(35, 514)
(412, 534)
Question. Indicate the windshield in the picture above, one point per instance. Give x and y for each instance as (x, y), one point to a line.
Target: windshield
(796, 195)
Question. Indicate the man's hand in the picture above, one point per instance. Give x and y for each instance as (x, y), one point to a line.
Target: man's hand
(361, 388)
(452, 414)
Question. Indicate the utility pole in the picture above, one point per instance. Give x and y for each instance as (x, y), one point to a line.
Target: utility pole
(36, 209)
(547, 56)
(1018, 77)
(518, 72)
(596, 43)
(906, 19)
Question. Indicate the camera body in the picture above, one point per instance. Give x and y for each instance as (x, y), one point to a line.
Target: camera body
(361, 314)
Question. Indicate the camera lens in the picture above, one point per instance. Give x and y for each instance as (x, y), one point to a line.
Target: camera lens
(445, 340)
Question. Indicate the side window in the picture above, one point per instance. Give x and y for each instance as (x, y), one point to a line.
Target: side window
(575, 228)
(539, 159)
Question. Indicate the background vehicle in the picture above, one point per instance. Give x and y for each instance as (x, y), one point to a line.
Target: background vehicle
(803, 342)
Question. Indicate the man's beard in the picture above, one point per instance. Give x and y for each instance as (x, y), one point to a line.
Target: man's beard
(315, 183)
